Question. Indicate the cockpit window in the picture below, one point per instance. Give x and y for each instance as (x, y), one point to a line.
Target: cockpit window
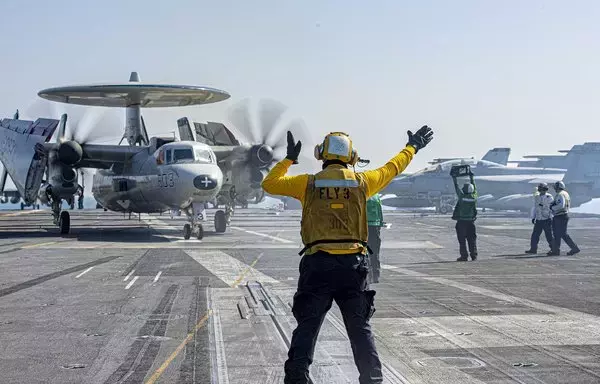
(183, 155)
(204, 156)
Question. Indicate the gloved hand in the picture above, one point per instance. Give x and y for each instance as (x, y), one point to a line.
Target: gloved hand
(421, 138)
(293, 148)
(533, 221)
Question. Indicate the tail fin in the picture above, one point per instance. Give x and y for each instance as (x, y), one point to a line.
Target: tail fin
(584, 166)
(497, 155)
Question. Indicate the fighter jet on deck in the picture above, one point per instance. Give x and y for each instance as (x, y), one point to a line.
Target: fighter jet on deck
(499, 186)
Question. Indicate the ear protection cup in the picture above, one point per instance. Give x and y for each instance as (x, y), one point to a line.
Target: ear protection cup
(318, 152)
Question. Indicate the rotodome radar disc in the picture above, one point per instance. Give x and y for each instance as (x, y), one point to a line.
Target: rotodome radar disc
(132, 94)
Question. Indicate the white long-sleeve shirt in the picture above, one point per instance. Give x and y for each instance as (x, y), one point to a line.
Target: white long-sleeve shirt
(562, 203)
(541, 207)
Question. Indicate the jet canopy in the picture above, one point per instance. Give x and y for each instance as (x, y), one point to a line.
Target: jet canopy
(182, 153)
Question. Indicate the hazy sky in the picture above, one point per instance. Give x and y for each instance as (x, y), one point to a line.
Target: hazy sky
(522, 74)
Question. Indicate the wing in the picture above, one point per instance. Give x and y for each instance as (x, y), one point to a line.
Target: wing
(531, 179)
(20, 153)
(185, 130)
(104, 156)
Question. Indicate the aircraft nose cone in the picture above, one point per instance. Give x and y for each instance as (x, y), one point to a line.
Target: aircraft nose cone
(205, 182)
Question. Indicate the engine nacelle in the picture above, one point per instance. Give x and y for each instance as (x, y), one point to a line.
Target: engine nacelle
(62, 181)
(261, 155)
(15, 199)
(70, 153)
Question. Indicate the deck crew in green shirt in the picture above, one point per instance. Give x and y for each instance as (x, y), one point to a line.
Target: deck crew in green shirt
(465, 214)
(374, 222)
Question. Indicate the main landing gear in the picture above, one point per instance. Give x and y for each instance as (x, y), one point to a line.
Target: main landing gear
(223, 218)
(61, 218)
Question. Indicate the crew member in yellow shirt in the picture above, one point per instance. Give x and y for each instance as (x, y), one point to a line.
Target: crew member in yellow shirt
(334, 232)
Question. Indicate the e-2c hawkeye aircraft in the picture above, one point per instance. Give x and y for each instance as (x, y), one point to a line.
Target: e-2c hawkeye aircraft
(149, 175)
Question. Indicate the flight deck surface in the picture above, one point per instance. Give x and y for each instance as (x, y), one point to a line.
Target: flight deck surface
(130, 301)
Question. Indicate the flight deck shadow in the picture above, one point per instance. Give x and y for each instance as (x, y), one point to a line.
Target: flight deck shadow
(434, 262)
(526, 256)
(116, 233)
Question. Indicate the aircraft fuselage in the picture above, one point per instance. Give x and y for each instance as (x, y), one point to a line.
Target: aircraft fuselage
(147, 186)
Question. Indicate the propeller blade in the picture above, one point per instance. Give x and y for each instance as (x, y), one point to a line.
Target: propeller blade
(88, 124)
(300, 132)
(240, 117)
(270, 113)
(62, 128)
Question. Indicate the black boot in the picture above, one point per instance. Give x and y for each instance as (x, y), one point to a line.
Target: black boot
(463, 258)
(573, 252)
(474, 256)
(531, 252)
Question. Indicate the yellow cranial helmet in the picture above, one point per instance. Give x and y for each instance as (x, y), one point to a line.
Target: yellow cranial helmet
(337, 146)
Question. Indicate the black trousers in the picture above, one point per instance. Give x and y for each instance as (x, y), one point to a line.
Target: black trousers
(374, 242)
(559, 226)
(466, 234)
(324, 278)
(538, 227)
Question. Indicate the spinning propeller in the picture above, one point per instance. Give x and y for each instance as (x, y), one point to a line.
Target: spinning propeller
(85, 125)
(268, 145)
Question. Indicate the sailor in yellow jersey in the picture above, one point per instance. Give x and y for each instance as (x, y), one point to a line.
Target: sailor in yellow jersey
(334, 232)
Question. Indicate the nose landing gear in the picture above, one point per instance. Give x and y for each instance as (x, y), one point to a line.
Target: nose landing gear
(194, 227)
(220, 221)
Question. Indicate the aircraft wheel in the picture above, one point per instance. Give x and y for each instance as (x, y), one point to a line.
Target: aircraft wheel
(65, 222)
(200, 234)
(22, 206)
(443, 209)
(220, 221)
(187, 231)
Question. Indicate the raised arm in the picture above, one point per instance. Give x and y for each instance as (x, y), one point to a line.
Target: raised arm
(278, 183)
(472, 179)
(459, 192)
(379, 178)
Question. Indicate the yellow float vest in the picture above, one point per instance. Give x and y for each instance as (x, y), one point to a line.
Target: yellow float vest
(334, 213)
